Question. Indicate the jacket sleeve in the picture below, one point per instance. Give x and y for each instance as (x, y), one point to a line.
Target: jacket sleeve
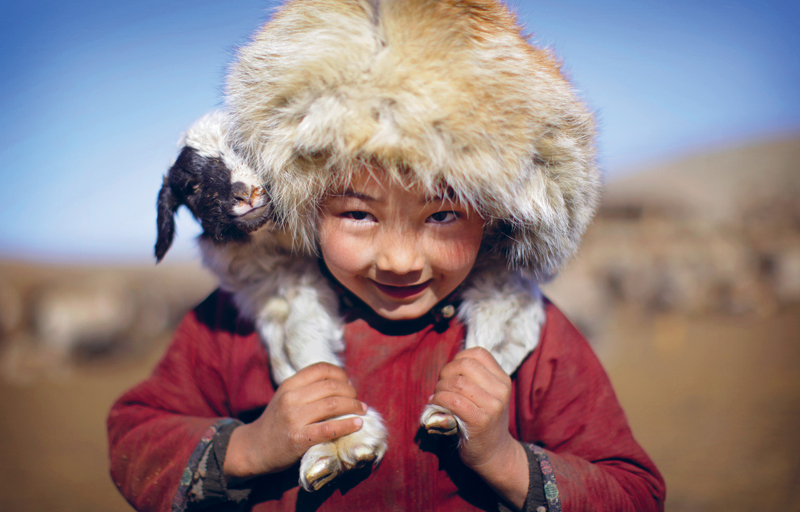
(568, 413)
(158, 428)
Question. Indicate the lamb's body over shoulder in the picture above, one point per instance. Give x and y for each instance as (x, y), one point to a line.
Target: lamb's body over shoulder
(284, 292)
(291, 303)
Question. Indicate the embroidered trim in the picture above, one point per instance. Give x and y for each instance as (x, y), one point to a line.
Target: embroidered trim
(549, 477)
(187, 478)
(196, 493)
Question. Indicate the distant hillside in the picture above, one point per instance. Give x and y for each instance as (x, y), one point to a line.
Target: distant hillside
(711, 232)
(720, 187)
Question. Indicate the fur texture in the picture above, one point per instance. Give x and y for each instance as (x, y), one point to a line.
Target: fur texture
(446, 91)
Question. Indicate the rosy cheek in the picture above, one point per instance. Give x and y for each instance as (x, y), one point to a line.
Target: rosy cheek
(339, 248)
(455, 255)
(462, 248)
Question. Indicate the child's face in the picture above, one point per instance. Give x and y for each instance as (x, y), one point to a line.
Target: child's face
(396, 248)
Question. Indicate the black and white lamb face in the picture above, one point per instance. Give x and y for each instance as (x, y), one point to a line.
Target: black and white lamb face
(222, 192)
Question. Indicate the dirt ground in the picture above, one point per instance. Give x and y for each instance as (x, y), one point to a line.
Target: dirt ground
(714, 400)
(716, 403)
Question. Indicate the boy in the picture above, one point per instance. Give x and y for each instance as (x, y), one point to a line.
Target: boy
(406, 142)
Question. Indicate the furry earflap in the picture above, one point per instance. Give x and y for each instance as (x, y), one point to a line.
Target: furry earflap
(447, 91)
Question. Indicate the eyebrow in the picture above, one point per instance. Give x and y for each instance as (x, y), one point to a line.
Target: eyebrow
(357, 195)
(366, 197)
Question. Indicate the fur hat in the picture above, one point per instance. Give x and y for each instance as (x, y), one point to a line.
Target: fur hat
(445, 92)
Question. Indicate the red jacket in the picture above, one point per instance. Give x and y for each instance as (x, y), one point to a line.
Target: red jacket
(217, 368)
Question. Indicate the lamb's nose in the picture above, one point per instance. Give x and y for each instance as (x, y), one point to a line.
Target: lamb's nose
(242, 192)
(257, 195)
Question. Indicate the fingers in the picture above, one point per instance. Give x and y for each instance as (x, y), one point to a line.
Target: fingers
(317, 402)
(477, 366)
(485, 358)
(316, 433)
(473, 386)
(314, 373)
(330, 407)
(319, 390)
(475, 407)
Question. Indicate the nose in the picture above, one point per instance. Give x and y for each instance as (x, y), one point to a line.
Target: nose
(241, 191)
(399, 254)
(252, 195)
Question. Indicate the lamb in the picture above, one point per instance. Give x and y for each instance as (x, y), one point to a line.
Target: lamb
(291, 302)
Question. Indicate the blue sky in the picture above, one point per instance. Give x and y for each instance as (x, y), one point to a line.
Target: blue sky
(94, 96)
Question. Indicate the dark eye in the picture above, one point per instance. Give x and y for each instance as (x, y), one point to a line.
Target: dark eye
(357, 215)
(443, 217)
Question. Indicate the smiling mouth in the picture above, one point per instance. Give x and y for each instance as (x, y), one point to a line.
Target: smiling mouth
(402, 292)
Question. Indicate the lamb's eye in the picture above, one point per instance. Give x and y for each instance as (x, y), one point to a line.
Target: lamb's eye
(443, 217)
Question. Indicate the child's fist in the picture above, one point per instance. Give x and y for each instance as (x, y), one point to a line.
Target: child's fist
(294, 421)
(476, 389)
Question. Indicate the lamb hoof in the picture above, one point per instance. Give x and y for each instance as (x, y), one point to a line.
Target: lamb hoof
(441, 423)
(365, 446)
(319, 466)
(324, 462)
(321, 472)
(362, 455)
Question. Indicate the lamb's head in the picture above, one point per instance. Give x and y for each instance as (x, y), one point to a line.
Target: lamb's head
(223, 193)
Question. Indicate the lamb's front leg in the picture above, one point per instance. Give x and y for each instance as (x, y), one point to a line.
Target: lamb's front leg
(324, 462)
(504, 313)
(305, 330)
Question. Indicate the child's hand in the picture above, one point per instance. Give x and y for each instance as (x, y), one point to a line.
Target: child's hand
(294, 421)
(476, 389)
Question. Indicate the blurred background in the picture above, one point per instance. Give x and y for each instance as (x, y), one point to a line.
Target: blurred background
(687, 283)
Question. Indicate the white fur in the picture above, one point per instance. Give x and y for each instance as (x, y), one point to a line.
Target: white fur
(294, 308)
(504, 313)
(210, 137)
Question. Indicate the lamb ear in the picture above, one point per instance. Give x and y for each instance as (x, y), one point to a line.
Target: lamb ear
(167, 206)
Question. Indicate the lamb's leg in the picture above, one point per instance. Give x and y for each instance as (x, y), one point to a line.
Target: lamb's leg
(503, 313)
(313, 331)
(302, 328)
(325, 461)
(271, 328)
